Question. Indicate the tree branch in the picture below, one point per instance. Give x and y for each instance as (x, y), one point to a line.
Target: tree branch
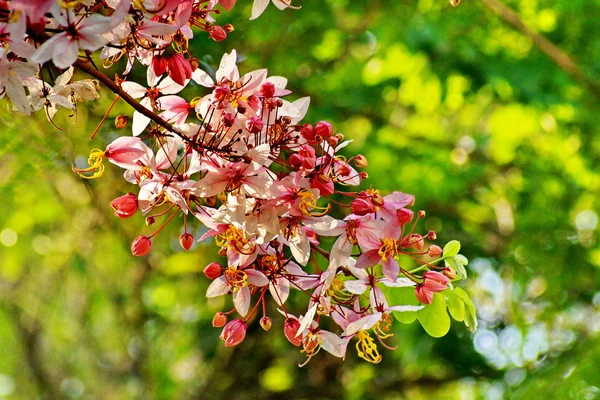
(555, 53)
(89, 69)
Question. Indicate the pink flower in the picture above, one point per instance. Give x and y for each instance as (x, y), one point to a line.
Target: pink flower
(83, 33)
(125, 206)
(234, 332)
(141, 246)
(432, 282)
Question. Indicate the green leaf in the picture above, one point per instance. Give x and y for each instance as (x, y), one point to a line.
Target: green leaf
(470, 315)
(458, 266)
(434, 317)
(451, 248)
(404, 297)
(462, 259)
(456, 305)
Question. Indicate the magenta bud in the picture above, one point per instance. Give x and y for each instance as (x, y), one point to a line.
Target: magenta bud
(219, 320)
(234, 332)
(324, 129)
(267, 90)
(186, 240)
(141, 246)
(213, 270)
(290, 329)
(125, 206)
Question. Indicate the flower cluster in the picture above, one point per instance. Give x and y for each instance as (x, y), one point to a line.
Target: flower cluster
(277, 196)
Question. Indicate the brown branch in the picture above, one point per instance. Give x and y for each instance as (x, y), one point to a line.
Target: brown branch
(555, 53)
(89, 69)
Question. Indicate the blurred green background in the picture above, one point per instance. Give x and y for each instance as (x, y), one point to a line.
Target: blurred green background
(499, 145)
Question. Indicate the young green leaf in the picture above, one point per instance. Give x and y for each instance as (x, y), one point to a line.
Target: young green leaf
(470, 314)
(404, 296)
(434, 317)
(451, 248)
(456, 305)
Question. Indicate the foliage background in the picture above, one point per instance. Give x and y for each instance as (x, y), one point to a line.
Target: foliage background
(499, 145)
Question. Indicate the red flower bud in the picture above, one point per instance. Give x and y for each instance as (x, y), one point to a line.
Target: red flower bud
(125, 206)
(120, 122)
(159, 65)
(213, 270)
(290, 329)
(219, 320)
(217, 33)
(423, 295)
(362, 205)
(308, 132)
(186, 240)
(254, 125)
(234, 332)
(265, 323)
(360, 161)
(179, 69)
(434, 251)
(141, 246)
(267, 89)
(404, 215)
(324, 129)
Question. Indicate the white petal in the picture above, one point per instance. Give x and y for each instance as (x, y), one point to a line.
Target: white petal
(362, 324)
(218, 287)
(241, 300)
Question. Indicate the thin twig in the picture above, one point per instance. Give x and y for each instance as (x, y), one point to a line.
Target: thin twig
(555, 53)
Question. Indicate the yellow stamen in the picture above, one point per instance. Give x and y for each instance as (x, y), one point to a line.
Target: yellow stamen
(388, 249)
(234, 238)
(236, 279)
(68, 4)
(307, 200)
(336, 292)
(95, 164)
(195, 101)
(366, 348)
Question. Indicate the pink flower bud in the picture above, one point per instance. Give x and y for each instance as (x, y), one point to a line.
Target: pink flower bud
(265, 323)
(227, 119)
(213, 270)
(217, 33)
(141, 246)
(417, 241)
(120, 121)
(434, 251)
(290, 329)
(323, 183)
(423, 294)
(159, 65)
(186, 240)
(308, 132)
(362, 205)
(450, 273)
(360, 161)
(125, 206)
(431, 235)
(435, 282)
(179, 69)
(254, 125)
(219, 320)
(404, 215)
(324, 129)
(267, 89)
(234, 332)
